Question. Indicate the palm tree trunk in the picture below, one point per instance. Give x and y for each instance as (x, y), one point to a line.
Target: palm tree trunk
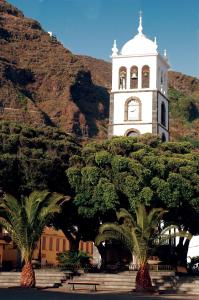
(28, 275)
(143, 279)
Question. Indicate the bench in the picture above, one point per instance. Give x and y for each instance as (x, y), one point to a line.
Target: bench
(85, 283)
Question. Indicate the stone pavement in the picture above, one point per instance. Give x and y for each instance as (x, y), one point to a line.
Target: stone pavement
(33, 294)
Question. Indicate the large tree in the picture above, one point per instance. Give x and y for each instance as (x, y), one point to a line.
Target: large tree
(124, 171)
(25, 220)
(37, 158)
(34, 158)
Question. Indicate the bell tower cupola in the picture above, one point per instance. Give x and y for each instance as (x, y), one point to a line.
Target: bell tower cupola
(138, 101)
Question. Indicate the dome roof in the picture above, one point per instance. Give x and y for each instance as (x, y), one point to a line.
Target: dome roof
(140, 44)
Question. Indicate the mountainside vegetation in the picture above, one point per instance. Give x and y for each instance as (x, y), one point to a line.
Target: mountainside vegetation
(184, 107)
(41, 82)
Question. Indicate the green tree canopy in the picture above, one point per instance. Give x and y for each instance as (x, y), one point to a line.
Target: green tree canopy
(34, 158)
(124, 171)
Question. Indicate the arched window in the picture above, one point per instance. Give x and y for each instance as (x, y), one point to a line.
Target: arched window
(163, 114)
(161, 79)
(163, 137)
(132, 132)
(145, 77)
(132, 109)
(122, 78)
(134, 77)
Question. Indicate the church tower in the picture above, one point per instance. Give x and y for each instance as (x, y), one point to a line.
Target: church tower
(138, 100)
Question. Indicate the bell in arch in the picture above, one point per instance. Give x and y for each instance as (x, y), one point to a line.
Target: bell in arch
(134, 75)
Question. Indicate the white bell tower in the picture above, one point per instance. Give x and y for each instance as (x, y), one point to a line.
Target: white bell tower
(138, 100)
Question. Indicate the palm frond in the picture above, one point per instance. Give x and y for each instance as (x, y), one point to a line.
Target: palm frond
(136, 231)
(25, 220)
(117, 236)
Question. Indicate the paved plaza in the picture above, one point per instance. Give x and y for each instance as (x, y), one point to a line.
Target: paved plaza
(32, 294)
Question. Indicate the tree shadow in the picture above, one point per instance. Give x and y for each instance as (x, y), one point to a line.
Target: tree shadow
(18, 75)
(92, 101)
(193, 112)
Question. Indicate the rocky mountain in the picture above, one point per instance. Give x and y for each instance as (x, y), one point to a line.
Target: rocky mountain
(41, 82)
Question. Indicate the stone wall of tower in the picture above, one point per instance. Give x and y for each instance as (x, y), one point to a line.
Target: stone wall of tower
(162, 75)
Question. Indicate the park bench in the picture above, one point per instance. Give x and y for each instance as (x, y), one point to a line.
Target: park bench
(84, 283)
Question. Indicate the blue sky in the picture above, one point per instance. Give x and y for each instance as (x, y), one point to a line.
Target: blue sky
(89, 26)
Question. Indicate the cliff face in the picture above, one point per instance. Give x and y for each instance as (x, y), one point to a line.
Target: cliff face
(41, 82)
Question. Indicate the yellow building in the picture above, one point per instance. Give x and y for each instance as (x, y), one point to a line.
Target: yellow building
(50, 244)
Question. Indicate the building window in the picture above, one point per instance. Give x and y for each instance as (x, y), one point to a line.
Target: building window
(132, 132)
(145, 77)
(163, 137)
(51, 244)
(44, 243)
(132, 109)
(134, 77)
(161, 79)
(57, 245)
(122, 78)
(163, 114)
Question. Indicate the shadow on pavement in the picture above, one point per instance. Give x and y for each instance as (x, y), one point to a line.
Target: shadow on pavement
(33, 294)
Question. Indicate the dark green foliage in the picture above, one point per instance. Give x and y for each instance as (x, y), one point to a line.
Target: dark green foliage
(22, 100)
(73, 259)
(124, 171)
(182, 106)
(33, 158)
(103, 158)
(180, 147)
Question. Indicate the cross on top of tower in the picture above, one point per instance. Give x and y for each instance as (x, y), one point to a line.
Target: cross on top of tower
(140, 28)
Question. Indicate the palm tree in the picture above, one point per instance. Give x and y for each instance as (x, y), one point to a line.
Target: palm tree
(25, 221)
(136, 233)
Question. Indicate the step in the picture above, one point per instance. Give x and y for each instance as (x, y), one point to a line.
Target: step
(118, 280)
(105, 278)
(9, 284)
(112, 284)
(46, 285)
(10, 274)
(100, 288)
(9, 279)
(133, 275)
(43, 279)
(48, 278)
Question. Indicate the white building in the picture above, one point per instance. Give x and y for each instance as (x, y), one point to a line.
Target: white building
(138, 100)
